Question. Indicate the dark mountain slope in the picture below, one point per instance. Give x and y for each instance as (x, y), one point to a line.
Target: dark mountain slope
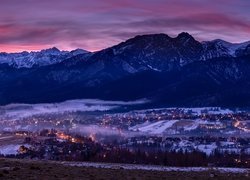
(176, 71)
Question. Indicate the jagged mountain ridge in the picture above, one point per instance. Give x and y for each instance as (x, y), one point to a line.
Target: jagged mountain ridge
(147, 51)
(40, 58)
(172, 71)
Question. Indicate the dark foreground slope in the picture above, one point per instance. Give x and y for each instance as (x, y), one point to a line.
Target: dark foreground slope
(26, 169)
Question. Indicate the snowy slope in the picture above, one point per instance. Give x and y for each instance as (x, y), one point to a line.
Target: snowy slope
(154, 128)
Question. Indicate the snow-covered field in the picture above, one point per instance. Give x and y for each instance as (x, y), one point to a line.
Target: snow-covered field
(190, 146)
(155, 168)
(208, 110)
(9, 149)
(154, 128)
(196, 110)
(17, 111)
(160, 127)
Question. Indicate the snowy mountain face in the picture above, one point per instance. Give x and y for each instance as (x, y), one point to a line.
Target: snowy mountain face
(40, 58)
(220, 48)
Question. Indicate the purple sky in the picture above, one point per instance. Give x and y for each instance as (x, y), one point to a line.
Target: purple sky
(97, 24)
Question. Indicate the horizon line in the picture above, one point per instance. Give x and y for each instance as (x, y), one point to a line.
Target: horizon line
(93, 51)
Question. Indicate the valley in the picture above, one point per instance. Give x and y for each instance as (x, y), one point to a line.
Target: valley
(102, 131)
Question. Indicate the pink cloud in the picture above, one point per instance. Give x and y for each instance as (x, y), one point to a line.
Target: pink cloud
(97, 24)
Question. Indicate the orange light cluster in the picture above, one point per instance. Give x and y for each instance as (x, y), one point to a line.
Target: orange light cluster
(68, 137)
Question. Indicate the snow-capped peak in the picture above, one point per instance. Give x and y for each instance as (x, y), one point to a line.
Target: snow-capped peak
(51, 51)
(40, 58)
(230, 47)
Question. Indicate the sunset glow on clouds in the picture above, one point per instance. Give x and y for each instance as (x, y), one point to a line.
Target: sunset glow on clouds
(98, 24)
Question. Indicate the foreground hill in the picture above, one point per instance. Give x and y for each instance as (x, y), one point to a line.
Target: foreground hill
(26, 169)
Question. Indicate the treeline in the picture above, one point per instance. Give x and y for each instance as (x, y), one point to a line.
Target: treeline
(86, 149)
(180, 159)
(96, 153)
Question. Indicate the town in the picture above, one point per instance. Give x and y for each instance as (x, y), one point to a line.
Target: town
(167, 136)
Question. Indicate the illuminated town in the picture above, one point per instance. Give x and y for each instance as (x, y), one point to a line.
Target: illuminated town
(81, 136)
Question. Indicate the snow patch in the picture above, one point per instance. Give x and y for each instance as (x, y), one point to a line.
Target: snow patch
(11, 149)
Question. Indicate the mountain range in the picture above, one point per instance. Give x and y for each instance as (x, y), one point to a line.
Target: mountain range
(179, 71)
